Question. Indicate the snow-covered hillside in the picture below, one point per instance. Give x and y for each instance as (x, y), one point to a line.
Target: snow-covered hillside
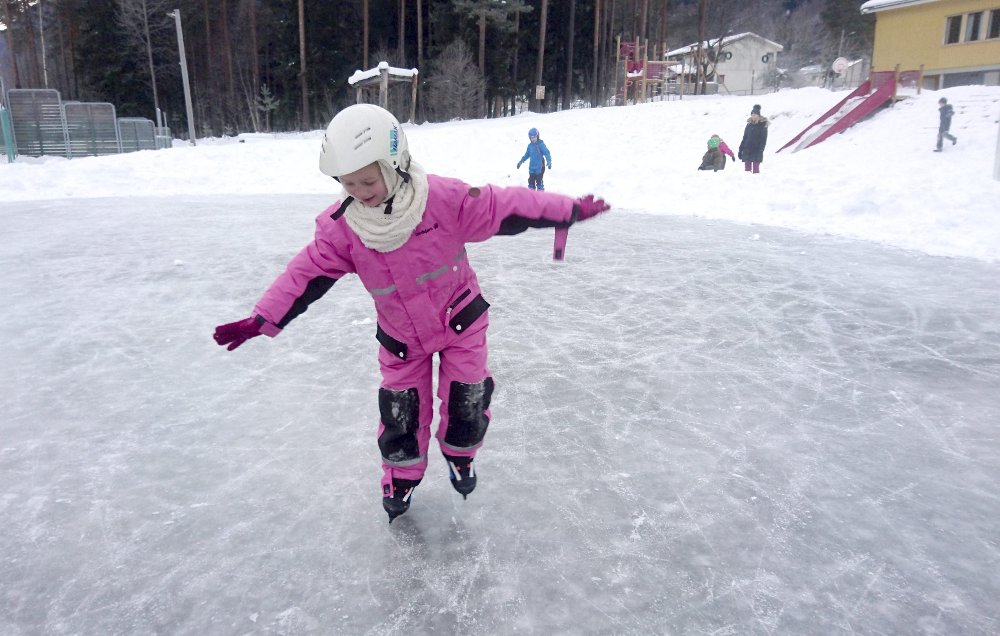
(878, 181)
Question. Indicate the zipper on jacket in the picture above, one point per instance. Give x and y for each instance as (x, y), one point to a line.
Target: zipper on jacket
(460, 298)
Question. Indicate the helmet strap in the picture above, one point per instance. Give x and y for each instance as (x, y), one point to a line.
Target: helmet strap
(405, 176)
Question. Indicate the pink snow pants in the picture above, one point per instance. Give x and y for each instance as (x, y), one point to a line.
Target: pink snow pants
(406, 402)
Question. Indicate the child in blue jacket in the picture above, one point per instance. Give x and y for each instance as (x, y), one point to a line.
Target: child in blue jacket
(538, 157)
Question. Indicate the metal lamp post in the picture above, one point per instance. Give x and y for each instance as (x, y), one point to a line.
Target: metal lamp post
(41, 26)
(176, 13)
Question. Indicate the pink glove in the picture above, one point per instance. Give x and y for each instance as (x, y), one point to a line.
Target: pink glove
(236, 333)
(588, 207)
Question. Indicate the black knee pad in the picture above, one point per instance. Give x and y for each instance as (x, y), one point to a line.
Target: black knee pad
(467, 421)
(400, 412)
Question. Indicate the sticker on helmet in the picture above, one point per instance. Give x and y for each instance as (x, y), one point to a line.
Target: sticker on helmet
(394, 141)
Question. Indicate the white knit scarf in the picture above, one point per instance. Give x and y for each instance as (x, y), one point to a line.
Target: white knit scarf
(385, 232)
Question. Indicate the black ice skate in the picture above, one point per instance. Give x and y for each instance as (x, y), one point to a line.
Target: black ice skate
(463, 474)
(396, 499)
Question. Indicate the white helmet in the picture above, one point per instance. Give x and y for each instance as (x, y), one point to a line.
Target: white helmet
(360, 135)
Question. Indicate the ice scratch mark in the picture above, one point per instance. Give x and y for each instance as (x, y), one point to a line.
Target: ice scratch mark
(875, 578)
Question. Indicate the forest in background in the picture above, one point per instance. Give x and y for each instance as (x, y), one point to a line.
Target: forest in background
(283, 65)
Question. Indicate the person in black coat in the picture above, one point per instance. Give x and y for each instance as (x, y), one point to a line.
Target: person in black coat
(751, 151)
(946, 111)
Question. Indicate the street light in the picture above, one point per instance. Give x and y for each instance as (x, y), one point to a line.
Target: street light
(41, 26)
(176, 14)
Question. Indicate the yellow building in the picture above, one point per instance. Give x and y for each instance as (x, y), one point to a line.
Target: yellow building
(956, 41)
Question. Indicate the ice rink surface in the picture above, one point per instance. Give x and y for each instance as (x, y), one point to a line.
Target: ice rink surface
(699, 428)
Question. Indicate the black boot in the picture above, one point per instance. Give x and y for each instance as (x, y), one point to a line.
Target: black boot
(396, 499)
(463, 474)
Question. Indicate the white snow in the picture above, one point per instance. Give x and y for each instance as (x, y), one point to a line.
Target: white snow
(878, 182)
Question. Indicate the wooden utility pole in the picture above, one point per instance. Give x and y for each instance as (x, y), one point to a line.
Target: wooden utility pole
(152, 67)
(482, 40)
(644, 20)
(420, 35)
(661, 29)
(517, 56)
(227, 47)
(420, 61)
(9, 36)
(542, 19)
(568, 88)
(254, 48)
(595, 95)
(364, 35)
(700, 73)
(302, 62)
(402, 33)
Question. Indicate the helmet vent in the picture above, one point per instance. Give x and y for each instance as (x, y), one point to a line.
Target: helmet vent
(363, 137)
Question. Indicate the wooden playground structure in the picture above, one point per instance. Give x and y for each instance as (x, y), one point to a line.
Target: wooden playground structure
(643, 79)
(379, 79)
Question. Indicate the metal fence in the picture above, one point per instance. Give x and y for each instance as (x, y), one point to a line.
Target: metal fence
(41, 124)
(137, 133)
(91, 129)
(37, 122)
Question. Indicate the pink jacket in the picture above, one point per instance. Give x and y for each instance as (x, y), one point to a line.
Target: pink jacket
(726, 150)
(426, 287)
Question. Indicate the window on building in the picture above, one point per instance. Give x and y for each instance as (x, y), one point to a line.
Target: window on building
(953, 30)
(994, 29)
(973, 23)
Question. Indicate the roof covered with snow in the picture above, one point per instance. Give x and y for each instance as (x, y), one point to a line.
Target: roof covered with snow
(726, 39)
(883, 5)
(358, 76)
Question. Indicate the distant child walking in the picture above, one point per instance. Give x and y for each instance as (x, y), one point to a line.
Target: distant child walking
(538, 158)
(751, 151)
(403, 233)
(945, 111)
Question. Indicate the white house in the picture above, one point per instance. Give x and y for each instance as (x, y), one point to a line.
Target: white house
(742, 64)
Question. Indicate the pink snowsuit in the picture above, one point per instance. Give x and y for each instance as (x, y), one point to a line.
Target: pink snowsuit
(428, 301)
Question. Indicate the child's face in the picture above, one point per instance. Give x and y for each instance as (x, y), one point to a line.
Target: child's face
(366, 185)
